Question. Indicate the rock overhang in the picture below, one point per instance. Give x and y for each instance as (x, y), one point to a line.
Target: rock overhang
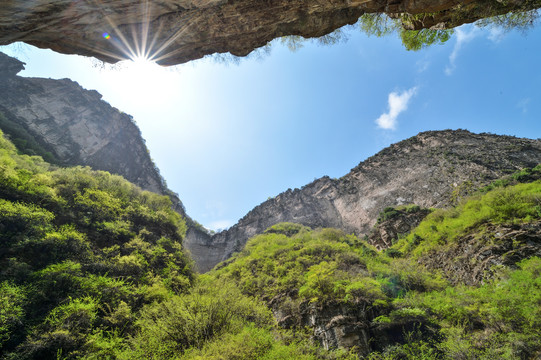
(171, 32)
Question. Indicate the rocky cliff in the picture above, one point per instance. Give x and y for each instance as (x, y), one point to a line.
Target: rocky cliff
(477, 256)
(76, 126)
(432, 169)
(176, 31)
(394, 223)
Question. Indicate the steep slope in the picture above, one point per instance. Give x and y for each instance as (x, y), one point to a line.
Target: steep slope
(177, 31)
(93, 267)
(432, 169)
(75, 126)
(79, 250)
(463, 285)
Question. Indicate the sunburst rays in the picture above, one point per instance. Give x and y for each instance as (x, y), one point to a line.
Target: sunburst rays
(147, 40)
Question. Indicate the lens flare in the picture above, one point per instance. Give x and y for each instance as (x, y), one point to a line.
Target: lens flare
(138, 40)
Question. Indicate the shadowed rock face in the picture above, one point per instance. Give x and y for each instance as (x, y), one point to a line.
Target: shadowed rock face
(429, 170)
(177, 31)
(400, 223)
(77, 126)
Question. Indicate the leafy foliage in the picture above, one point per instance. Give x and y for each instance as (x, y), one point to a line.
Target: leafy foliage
(419, 39)
(80, 250)
(521, 20)
(379, 25)
(321, 266)
(513, 204)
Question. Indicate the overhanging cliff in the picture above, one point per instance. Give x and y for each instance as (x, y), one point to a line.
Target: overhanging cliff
(177, 31)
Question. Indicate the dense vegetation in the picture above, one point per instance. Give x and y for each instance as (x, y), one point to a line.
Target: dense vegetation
(92, 267)
(81, 251)
(299, 270)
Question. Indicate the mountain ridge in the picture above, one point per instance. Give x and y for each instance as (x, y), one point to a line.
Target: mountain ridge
(77, 127)
(431, 169)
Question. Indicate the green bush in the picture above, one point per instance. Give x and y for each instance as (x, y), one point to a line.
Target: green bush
(191, 320)
(513, 204)
(12, 299)
(81, 252)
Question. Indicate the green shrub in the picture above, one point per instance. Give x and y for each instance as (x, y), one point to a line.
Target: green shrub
(286, 228)
(191, 320)
(513, 204)
(12, 299)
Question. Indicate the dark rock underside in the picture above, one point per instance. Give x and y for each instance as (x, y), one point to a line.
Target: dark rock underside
(177, 31)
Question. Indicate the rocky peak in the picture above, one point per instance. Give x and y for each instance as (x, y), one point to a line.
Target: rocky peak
(432, 169)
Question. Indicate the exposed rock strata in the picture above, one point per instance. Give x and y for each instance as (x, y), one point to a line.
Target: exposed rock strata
(177, 31)
(400, 223)
(430, 170)
(341, 325)
(474, 258)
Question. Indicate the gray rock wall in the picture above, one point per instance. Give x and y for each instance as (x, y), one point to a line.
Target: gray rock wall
(77, 126)
(431, 169)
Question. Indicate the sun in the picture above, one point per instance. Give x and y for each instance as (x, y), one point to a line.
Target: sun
(141, 44)
(142, 81)
(143, 66)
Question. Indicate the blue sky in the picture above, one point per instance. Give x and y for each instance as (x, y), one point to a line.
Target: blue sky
(227, 137)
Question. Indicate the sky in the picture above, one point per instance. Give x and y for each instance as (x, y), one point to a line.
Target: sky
(228, 136)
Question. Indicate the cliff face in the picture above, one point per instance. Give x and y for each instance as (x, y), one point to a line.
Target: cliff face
(176, 31)
(475, 257)
(432, 169)
(393, 224)
(76, 126)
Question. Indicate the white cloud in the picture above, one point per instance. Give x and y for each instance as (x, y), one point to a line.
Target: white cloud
(464, 35)
(523, 104)
(398, 103)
